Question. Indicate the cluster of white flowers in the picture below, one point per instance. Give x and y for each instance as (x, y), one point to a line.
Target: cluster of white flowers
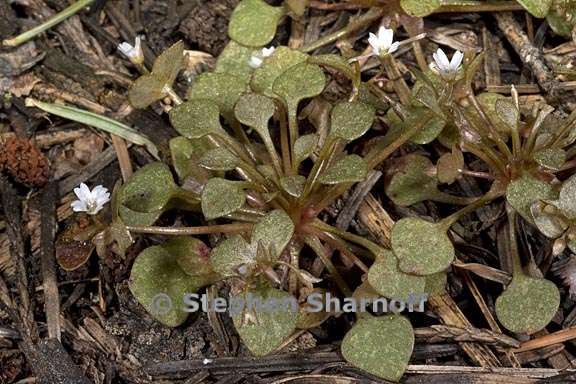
(383, 43)
(257, 60)
(90, 201)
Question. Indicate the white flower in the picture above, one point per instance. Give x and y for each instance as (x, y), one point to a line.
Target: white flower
(383, 42)
(90, 201)
(447, 68)
(134, 53)
(257, 60)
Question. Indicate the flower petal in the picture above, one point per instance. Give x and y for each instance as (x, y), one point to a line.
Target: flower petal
(82, 192)
(78, 206)
(386, 36)
(456, 61)
(441, 60)
(374, 43)
(394, 47)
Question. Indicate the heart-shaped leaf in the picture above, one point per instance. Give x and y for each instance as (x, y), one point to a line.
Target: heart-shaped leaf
(381, 346)
(191, 254)
(272, 67)
(336, 62)
(304, 147)
(389, 281)
(255, 111)
(551, 158)
(351, 120)
(222, 88)
(449, 166)
(196, 118)
(274, 232)
(293, 185)
(160, 284)
(221, 197)
(525, 191)
(567, 200)
(149, 189)
(538, 8)
(420, 8)
(422, 248)
(253, 23)
(185, 154)
(507, 113)
(219, 159)
(270, 323)
(232, 254)
(235, 60)
(411, 180)
(289, 84)
(169, 63)
(349, 169)
(527, 305)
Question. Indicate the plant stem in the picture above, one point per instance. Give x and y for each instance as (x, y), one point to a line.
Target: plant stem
(203, 230)
(54, 20)
(374, 248)
(447, 222)
(398, 82)
(318, 248)
(326, 154)
(370, 16)
(284, 144)
(442, 197)
(517, 270)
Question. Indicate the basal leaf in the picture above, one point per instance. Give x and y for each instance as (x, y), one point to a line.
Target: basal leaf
(222, 88)
(169, 63)
(381, 346)
(219, 159)
(269, 325)
(304, 147)
(350, 169)
(336, 62)
(567, 199)
(449, 166)
(527, 305)
(351, 120)
(191, 254)
(149, 189)
(420, 8)
(196, 118)
(255, 111)
(253, 23)
(289, 85)
(538, 8)
(274, 232)
(507, 113)
(272, 67)
(525, 191)
(221, 197)
(147, 89)
(293, 185)
(422, 248)
(389, 281)
(232, 254)
(411, 180)
(235, 60)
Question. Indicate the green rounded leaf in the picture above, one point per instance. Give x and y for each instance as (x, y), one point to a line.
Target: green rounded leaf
(389, 281)
(527, 305)
(381, 346)
(196, 118)
(221, 197)
(290, 84)
(219, 159)
(231, 254)
(274, 232)
(158, 283)
(191, 254)
(525, 191)
(293, 185)
(537, 8)
(422, 248)
(270, 324)
(420, 8)
(146, 90)
(149, 189)
(235, 60)
(436, 283)
(169, 63)
(551, 158)
(304, 147)
(253, 23)
(550, 224)
(567, 199)
(222, 88)
(281, 60)
(336, 62)
(507, 113)
(255, 111)
(449, 166)
(351, 120)
(411, 180)
(349, 169)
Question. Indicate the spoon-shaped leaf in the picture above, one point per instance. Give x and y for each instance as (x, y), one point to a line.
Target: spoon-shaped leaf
(185, 154)
(274, 232)
(159, 284)
(269, 325)
(219, 159)
(381, 346)
(149, 189)
(191, 254)
(422, 248)
(507, 113)
(222, 88)
(253, 23)
(304, 147)
(449, 166)
(525, 191)
(420, 8)
(221, 197)
(349, 169)
(550, 224)
(231, 254)
(272, 67)
(567, 200)
(255, 111)
(235, 60)
(389, 281)
(351, 120)
(293, 185)
(196, 118)
(169, 63)
(527, 305)
(411, 180)
(551, 158)
(290, 84)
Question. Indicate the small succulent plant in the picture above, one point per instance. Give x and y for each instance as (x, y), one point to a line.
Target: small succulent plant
(249, 164)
